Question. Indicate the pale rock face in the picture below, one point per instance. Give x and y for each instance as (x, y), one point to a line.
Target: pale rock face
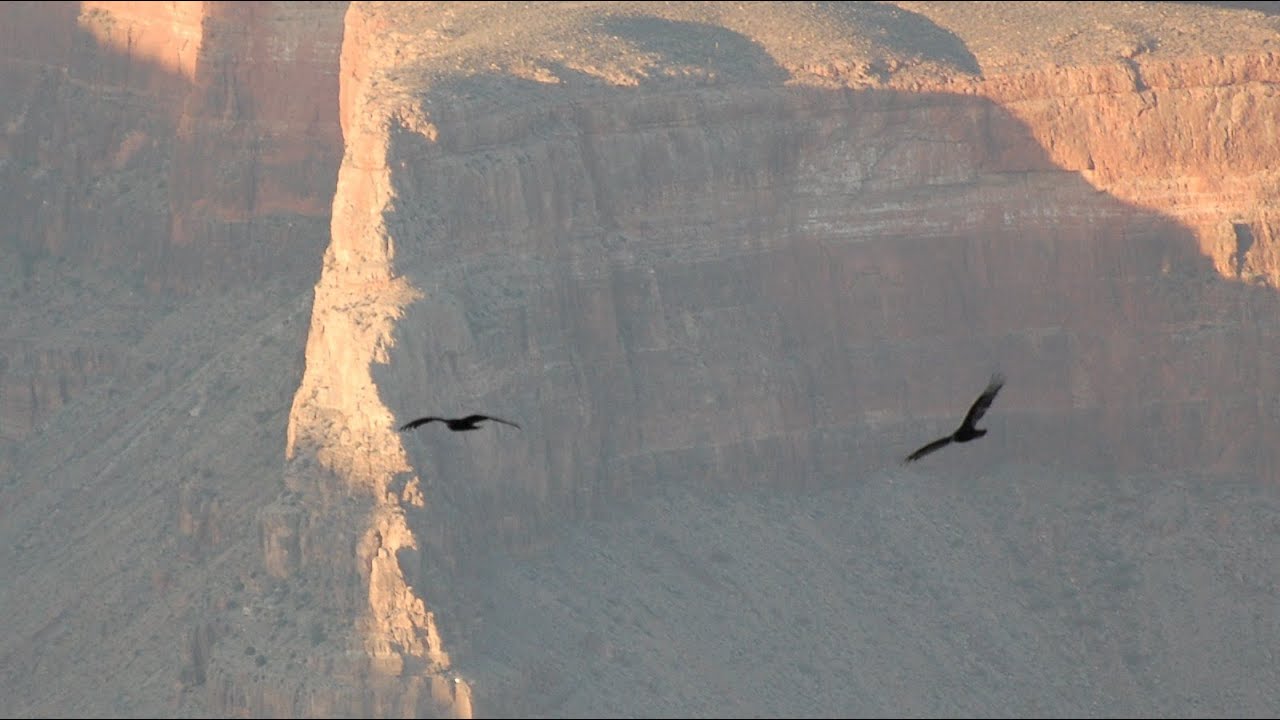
(682, 245)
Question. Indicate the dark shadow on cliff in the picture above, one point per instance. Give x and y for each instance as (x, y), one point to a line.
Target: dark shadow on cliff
(661, 54)
(723, 53)
(907, 33)
(664, 54)
(714, 51)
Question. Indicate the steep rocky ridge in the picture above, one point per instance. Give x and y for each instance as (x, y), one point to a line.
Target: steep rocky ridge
(726, 264)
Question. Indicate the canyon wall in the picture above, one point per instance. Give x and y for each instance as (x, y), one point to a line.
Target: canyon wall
(160, 148)
(152, 138)
(732, 249)
(772, 249)
(168, 174)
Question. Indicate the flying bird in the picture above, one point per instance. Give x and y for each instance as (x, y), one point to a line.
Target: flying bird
(470, 422)
(968, 429)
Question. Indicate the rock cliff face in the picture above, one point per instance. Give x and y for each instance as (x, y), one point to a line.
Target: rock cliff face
(175, 147)
(167, 173)
(687, 245)
(735, 249)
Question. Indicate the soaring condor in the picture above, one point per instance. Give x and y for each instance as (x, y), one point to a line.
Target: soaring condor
(968, 429)
(470, 422)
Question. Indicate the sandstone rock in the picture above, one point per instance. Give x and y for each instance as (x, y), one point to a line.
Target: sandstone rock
(210, 163)
(281, 529)
(773, 285)
(699, 245)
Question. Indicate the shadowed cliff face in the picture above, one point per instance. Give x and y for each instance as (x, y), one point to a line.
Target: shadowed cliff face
(784, 292)
(735, 269)
(666, 287)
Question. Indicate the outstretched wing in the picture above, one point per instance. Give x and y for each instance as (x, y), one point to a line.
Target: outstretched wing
(979, 407)
(936, 444)
(477, 418)
(419, 422)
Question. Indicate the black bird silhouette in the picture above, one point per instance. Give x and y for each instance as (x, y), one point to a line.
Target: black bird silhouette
(968, 429)
(456, 424)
